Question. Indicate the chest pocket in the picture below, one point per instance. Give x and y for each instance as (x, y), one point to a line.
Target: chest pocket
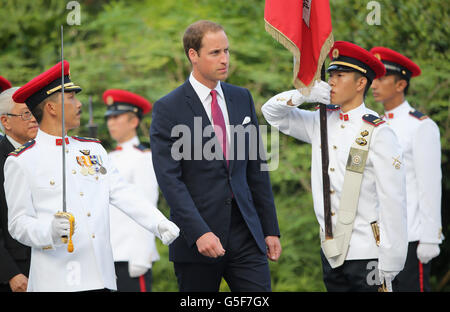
(47, 193)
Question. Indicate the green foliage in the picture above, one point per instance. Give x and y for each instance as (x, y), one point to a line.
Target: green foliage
(136, 45)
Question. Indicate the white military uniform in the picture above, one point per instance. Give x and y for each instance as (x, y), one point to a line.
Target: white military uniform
(131, 242)
(420, 141)
(382, 197)
(34, 194)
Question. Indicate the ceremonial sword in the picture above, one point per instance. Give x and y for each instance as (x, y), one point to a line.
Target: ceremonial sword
(64, 213)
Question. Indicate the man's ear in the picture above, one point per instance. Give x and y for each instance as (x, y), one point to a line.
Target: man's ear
(361, 83)
(193, 55)
(51, 107)
(400, 85)
(4, 121)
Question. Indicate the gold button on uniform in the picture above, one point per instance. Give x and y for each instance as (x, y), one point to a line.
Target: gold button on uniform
(74, 171)
(342, 126)
(88, 214)
(332, 169)
(81, 194)
(93, 235)
(334, 147)
(52, 182)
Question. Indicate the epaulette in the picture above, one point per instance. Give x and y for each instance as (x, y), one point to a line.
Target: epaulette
(418, 115)
(81, 139)
(330, 107)
(373, 120)
(143, 147)
(22, 148)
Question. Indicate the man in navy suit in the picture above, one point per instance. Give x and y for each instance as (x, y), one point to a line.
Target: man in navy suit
(223, 204)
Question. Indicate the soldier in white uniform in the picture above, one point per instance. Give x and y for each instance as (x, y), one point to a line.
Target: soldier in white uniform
(34, 194)
(134, 248)
(359, 209)
(420, 139)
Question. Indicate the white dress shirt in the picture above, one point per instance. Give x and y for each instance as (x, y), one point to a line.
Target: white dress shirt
(204, 95)
(420, 140)
(131, 242)
(382, 197)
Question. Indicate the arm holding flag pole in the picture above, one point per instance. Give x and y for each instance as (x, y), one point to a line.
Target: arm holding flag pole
(304, 28)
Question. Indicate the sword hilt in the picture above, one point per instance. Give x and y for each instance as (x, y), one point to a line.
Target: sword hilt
(65, 239)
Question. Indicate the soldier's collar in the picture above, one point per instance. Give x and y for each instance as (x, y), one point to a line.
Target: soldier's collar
(130, 143)
(45, 138)
(399, 110)
(353, 115)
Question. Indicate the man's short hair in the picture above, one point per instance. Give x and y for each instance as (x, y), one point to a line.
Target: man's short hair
(398, 77)
(6, 103)
(193, 36)
(38, 110)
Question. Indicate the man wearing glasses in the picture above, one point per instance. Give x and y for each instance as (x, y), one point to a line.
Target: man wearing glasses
(19, 126)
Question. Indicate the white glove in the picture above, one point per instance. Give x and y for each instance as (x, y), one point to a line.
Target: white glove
(387, 277)
(60, 227)
(426, 252)
(136, 270)
(320, 93)
(168, 231)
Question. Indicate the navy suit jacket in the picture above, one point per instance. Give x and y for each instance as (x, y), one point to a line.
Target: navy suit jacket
(199, 191)
(14, 257)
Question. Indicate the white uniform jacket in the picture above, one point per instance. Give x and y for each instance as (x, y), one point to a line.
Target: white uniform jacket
(420, 139)
(130, 241)
(33, 188)
(382, 197)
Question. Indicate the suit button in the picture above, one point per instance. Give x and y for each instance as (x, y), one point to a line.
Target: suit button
(228, 201)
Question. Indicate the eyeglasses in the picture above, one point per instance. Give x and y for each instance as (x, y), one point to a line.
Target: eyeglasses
(25, 115)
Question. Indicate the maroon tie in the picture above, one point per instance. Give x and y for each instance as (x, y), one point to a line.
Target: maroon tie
(219, 123)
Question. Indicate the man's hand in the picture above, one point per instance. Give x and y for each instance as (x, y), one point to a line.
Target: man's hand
(273, 247)
(209, 245)
(18, 283)
(60, 226)
(426, 252)
(320, 93)
(168, 231)
(387, 277)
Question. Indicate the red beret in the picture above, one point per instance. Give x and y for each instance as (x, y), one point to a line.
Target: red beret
(396, 62)
(4, 84)
(349, 56)
(121, 101)
(44, 85)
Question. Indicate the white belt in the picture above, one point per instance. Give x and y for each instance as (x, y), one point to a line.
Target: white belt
(336, 249)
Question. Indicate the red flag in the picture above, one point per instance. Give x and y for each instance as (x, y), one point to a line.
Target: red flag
(304, 28)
